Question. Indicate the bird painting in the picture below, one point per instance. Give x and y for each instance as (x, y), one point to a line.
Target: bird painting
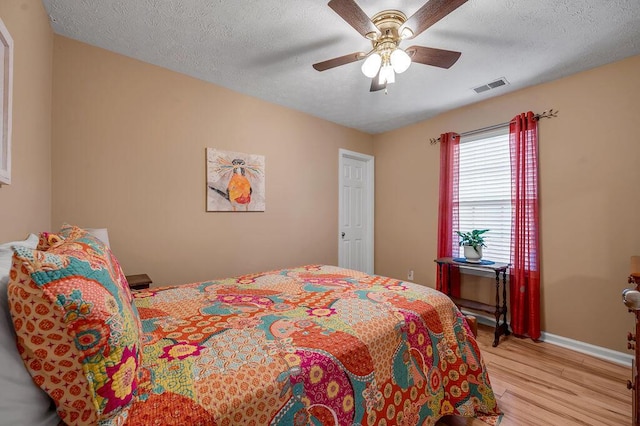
(234, 184)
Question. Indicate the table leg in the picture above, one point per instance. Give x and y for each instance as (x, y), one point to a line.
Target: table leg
(504, 302)
(497, 313)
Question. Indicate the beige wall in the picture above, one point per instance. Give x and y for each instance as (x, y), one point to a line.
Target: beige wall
(129, 140)
(129, 143)
(589, 197)
(25, 205)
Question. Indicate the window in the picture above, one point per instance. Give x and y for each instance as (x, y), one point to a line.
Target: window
(485, 190)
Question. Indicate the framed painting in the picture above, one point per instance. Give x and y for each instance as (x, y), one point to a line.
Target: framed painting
(6, 92)
(235, 181)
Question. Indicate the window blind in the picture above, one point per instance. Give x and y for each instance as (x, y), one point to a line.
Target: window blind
(485, 190)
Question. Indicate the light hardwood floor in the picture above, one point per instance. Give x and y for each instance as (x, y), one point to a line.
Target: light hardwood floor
(540, 384)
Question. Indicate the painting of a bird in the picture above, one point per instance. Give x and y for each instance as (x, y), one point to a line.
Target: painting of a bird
(241, 178)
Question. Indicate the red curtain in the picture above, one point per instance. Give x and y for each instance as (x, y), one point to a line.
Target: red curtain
(448, 210)
(525, 231)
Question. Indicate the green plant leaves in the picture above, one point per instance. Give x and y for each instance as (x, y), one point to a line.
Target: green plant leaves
(473, 238)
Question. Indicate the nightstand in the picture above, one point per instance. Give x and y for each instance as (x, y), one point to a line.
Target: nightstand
(138, 282)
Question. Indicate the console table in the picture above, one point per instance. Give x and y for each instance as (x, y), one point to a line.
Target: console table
(500, 308)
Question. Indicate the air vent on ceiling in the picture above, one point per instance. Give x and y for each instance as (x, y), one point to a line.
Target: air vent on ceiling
(493, 85)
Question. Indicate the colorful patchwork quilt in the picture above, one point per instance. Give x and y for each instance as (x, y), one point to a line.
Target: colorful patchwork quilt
(315, 345)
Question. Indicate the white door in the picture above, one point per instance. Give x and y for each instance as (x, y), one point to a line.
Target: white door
(355, 239)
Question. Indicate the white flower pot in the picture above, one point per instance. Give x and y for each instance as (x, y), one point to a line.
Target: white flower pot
(471, 255)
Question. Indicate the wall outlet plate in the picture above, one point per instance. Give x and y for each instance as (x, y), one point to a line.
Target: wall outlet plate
(410, 275)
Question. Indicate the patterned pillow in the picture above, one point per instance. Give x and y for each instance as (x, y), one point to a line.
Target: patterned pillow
(78, 333)
(20, 401)
(75, 233)
(47, 240)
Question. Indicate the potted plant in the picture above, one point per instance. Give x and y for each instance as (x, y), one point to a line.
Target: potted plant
(473, 242)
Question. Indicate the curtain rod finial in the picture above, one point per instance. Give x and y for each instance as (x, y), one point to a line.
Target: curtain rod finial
(548, 114)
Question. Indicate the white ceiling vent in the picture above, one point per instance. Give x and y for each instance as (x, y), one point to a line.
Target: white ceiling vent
(493, 85)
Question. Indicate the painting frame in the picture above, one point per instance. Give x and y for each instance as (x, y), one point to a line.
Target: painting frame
(235, 181)
(6, 102)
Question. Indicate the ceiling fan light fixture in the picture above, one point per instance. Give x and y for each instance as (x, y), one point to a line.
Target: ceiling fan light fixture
(372, 35)
(400, 61)
(387, 75)
(371, 65)
(406, 33)
(386, 30)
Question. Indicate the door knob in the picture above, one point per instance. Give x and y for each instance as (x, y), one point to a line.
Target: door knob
(342, 234)
(631, 299)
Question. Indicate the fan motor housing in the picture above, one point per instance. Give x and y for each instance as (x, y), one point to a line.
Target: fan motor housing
(388, 22)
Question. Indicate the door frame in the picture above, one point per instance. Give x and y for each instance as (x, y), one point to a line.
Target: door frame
(368, 205)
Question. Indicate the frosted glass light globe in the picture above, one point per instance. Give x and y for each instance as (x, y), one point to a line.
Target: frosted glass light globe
(400, 61)
(371, 65)
(387, 75)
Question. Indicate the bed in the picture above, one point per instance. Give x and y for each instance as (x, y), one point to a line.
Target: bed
(316, 345)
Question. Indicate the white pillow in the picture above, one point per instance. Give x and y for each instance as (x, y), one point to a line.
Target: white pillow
(100, 233)
(22, 402)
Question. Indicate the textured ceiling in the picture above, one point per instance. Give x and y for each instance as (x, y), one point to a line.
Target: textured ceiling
(265, 48)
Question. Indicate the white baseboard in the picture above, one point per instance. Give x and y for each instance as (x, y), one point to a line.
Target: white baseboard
(589, 349)
(616, 357)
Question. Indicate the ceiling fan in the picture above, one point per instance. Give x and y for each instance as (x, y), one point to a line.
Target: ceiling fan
(386, 30)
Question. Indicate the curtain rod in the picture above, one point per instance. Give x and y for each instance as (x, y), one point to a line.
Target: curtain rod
(545, 114)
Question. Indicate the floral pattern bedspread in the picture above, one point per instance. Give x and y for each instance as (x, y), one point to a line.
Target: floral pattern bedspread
(316, 345)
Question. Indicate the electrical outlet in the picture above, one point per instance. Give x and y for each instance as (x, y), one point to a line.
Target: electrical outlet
(410, 275)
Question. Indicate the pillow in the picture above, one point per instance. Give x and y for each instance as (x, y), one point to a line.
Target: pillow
(78, 333)
(48, 240)
(100, 233)
(21, 401)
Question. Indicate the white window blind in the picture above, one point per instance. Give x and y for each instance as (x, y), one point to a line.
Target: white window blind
(485, 190)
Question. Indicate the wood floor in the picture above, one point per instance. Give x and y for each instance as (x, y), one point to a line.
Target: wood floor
(539, 384)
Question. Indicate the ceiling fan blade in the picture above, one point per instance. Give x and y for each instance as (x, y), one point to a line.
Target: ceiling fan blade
(429, 14)
(375, 83)
(336, 62)
(351, 12)
(430, 56)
